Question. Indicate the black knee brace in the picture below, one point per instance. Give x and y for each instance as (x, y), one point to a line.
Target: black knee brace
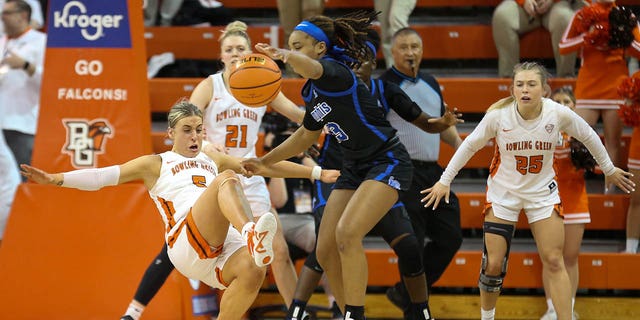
(312, 262)
(409, 259)
(494, 283)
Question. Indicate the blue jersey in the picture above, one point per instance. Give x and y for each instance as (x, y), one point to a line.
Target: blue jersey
(342, 103)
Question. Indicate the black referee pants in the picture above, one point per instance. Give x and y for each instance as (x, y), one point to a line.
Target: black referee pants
(441, 226)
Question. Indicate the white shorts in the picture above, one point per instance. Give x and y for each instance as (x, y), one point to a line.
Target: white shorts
(208, 270)
(533, 214)
(507, 204)
(255, 189)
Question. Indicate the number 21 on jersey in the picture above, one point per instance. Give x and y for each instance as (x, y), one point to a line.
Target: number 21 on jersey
(236, 136)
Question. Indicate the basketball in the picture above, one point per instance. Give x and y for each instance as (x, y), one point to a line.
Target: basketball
(255, 80)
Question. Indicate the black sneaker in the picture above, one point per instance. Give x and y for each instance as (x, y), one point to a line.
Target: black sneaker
(398, 296)
(126, 318)
(335, 311)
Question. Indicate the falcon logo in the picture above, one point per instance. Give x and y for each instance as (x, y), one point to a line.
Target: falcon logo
(86, 140)
(549, 128)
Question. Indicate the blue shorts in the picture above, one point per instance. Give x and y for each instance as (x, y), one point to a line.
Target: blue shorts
(391, 166)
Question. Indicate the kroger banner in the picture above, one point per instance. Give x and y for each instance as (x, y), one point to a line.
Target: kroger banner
(94, 105)
(89, 24)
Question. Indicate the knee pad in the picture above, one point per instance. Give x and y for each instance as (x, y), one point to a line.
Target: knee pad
(312, 262)
(409, 258)
(494, 283)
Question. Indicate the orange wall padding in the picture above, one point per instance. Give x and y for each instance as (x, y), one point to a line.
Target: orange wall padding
(70, 254)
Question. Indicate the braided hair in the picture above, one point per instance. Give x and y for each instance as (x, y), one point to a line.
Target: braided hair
(348, 36)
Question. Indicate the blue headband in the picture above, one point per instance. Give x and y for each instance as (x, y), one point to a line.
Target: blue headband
(313, 30)
(372, 48)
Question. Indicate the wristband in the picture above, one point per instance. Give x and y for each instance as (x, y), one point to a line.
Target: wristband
(316, 173)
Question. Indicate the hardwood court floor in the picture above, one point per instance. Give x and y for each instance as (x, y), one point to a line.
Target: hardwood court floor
(451, 306)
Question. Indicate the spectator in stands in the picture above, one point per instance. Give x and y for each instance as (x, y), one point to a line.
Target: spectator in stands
(393, 17)
(168, 10)
(603, 64)
(513, 18)
(20, 79)
(203, 13)
(10, 181)
(575, 205)
(376, 165)
(291, 12)
(240, 135)
(37, 18)
(526, 128)
(208, 221)
(630, 111)
(442, 227)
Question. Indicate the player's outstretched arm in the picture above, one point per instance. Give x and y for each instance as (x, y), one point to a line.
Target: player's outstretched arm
(145, 168)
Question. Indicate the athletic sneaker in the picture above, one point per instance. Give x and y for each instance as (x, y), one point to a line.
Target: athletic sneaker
(336, 314)
(126, 318)
(549, 315)
(260, 239)
(398, 296)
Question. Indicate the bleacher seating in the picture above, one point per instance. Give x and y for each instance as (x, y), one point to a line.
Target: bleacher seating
(333, 4)
(442, 41)
(469, 95)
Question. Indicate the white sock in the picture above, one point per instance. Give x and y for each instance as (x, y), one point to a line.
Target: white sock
(632, 245)
(488, 314)
(134, 310)
(573, 303)
(550, 305)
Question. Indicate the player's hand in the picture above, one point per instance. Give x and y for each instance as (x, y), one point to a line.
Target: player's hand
(530, 7)
(450, 118)
(543, 6)
(13, 60)
(252, 166)
(622, 179)
(329, 176)
(37, 175)
(272, 52)
(435, 194)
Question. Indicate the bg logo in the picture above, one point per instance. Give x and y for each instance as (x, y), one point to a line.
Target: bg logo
(86, 140)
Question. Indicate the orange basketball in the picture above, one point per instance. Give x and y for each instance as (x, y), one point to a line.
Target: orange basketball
(255, 80)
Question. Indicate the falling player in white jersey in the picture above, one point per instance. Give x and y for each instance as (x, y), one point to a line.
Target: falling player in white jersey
(526, 127)
(206, 214)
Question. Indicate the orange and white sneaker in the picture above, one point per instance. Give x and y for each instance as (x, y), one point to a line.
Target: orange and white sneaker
(260, 239)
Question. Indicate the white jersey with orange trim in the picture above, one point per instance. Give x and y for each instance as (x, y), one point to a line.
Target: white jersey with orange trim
(181, 182)
(230, 123)
(523, 162)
